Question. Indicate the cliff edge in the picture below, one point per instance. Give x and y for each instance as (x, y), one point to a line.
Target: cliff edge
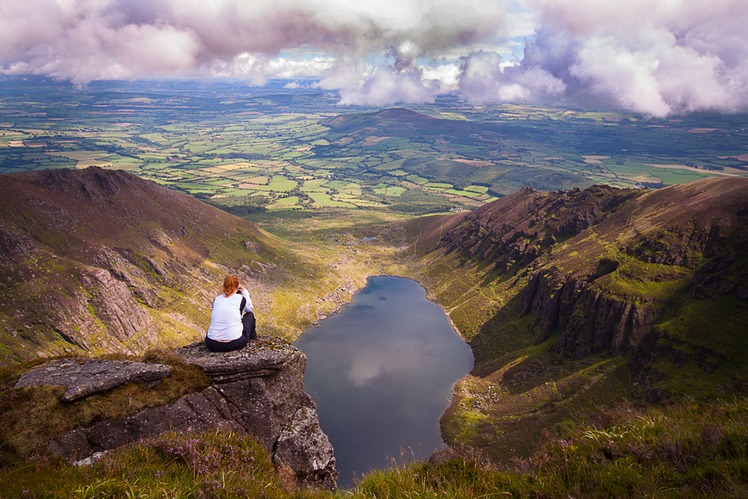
(258, 390)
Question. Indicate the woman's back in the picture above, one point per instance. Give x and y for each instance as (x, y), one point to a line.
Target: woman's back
(226, 318)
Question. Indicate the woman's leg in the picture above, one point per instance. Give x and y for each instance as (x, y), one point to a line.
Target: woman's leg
(225, 346)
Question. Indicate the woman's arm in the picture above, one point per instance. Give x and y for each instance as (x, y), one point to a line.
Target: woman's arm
(248, 307)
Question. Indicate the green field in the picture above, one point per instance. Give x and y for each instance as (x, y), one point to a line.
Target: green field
(248, 146)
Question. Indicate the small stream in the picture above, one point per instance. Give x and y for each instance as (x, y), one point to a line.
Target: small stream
(381, 372)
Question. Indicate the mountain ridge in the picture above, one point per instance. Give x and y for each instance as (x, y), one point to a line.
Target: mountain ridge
(103, 261)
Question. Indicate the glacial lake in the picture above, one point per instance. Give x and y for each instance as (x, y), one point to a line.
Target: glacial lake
(381, 372)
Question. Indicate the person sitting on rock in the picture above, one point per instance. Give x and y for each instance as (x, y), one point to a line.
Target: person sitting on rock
(228, 329)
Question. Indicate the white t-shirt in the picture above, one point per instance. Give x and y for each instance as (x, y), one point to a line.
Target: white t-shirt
(226, 318)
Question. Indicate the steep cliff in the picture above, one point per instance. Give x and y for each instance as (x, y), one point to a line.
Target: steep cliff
(595, 265)
(572, 300)
(606, 290)
(258, 390)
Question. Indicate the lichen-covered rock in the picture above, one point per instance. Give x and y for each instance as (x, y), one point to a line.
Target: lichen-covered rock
(258, 358)
(305, 448)
(258, 390)
(84, 377)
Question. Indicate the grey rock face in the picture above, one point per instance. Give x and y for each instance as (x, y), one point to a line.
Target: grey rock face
(258, 390)
(115, 306)
(84, 377)
(302, 445)
(590, 321)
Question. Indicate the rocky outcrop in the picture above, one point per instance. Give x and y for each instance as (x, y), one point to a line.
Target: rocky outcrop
(519, 228)
(84, 377)
(116, 307)
(590, 320)
(14, 244)
(258, 390)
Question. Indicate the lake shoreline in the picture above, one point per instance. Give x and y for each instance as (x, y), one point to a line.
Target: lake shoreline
(382, 371)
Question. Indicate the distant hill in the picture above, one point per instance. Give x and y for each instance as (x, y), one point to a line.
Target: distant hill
(458, 152)
(400, 122)
(103, 261)
(574, 301)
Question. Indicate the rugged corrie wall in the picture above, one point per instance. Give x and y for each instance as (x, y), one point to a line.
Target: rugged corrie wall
(574, 300)
(257, 390)
(596, 266)
(592, 320)
(606, 290)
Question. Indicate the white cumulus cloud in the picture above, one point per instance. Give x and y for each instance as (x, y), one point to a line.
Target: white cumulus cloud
(657, 58)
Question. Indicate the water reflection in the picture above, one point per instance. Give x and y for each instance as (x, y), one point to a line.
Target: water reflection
(381, 373)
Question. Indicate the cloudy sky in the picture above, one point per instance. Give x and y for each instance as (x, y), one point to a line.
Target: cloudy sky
(658, 57)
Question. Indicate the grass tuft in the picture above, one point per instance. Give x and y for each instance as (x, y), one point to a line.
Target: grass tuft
(213, 464)
(689, 449)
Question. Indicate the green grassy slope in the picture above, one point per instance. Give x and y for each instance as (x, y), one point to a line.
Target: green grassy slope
(696, 450)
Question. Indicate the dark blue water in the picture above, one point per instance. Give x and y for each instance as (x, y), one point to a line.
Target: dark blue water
(381, 373)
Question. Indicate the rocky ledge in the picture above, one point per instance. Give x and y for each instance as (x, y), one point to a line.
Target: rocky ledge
(258, 390)
(84, 377)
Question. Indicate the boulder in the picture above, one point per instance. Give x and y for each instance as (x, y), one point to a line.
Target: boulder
(84, 377)
(303, 446)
